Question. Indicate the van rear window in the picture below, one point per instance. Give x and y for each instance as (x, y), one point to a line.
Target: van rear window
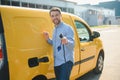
(1, 25)
(0, 49)
(1, 32)
(1, 55)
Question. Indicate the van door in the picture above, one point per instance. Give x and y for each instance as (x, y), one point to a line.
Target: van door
(67, 19)
(87, 47)
(29, 55)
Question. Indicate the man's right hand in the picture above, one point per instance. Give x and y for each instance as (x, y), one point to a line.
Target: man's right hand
(46, 35)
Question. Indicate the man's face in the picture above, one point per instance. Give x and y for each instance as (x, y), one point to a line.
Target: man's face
(56, 17)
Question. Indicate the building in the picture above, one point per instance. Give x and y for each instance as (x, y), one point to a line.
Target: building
(92, 15)
(112, 5)
(96, 15)
(65, 6)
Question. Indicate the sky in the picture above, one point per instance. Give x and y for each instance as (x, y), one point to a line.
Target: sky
(89, 1)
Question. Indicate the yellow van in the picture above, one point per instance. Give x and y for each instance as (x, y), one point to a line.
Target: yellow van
(27, 56)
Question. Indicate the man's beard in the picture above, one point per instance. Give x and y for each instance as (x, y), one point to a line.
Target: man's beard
(56, 22)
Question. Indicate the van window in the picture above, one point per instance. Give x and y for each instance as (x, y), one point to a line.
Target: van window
(1, 32)
(0, 52)
(82, 31)
(0, 42)
(1, 55)
(4, 70)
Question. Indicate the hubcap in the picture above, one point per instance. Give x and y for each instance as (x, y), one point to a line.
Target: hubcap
(100, 63)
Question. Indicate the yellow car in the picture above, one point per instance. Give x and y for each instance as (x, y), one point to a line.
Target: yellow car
(26, 54)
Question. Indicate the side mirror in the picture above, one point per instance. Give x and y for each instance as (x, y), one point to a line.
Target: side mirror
(95, 34)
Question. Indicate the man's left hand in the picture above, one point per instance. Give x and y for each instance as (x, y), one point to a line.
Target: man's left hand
(64, 40)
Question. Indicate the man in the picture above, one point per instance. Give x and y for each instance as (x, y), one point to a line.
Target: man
(63, 45)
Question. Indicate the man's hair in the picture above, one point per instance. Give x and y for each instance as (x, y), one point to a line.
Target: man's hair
(55, 9)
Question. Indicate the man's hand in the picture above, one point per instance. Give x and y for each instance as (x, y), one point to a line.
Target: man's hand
(64, 40)
(46, 35)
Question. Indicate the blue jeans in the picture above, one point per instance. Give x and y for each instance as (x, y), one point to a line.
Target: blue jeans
(63, 71)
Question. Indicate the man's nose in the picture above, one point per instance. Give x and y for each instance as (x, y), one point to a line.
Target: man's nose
(54, 17)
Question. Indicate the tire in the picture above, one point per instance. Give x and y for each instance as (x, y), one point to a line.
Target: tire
(100, 64)
(40, 77)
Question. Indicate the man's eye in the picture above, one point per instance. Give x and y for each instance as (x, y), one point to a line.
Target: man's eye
(52, 15)
(56, 15)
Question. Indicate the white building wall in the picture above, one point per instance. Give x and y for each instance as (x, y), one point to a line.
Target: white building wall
(108, 12)
(97, 17)
(79, 10)
(93, 20)
(59, 3)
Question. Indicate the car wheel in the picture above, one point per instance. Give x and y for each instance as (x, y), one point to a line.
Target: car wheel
(100, 63)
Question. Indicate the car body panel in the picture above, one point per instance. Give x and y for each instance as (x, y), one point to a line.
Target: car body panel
(23, 29)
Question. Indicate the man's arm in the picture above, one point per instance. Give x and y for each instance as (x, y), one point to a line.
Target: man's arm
(68, 40)
(46, 35)
(50, 41)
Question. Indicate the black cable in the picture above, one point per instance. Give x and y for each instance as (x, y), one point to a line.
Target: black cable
(61, 36)
(64, 53)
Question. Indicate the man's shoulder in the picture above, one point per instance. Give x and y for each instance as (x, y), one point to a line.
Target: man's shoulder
(67, 25)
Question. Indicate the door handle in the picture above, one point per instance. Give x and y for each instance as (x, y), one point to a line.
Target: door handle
(32, 62)
(82, 49)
